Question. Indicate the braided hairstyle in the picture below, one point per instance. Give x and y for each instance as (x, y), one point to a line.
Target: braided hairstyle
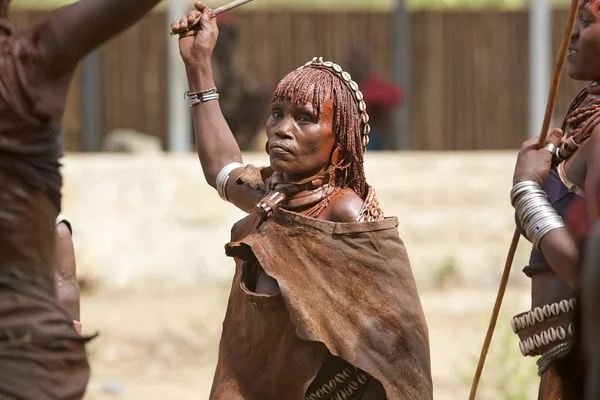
(315, 84)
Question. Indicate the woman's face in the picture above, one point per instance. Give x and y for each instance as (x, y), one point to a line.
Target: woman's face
(300, 138)
(584, 49)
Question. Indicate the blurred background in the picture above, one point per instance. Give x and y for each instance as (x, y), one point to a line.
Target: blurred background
(453, 89)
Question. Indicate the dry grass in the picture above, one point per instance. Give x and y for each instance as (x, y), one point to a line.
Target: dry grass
(159, 345)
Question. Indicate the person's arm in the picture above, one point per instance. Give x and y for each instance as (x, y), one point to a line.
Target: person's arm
(71, 32)
(65, 271)
(215, 143)
(561, 252)
(558, 246)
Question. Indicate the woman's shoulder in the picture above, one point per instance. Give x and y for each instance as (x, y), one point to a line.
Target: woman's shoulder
(346, 206)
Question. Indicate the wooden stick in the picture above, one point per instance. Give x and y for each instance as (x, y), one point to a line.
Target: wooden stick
(217, 11)
(558, 65)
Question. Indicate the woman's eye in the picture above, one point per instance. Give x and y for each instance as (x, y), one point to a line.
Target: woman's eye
(305, 118)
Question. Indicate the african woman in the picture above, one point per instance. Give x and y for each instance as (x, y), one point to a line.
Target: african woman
(42, 357)
(323, 303)
(548, 182)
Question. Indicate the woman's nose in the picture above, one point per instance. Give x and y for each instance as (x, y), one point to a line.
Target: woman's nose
(284, 129)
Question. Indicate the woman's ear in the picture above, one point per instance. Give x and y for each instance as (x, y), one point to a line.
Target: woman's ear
(338, 156)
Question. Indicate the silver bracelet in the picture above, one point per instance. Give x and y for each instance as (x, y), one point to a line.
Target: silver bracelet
(202, 97)
(521, 188)
(223, 178)
(534, 211)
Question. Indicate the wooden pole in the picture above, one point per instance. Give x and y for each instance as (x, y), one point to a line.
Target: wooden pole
(558, 65)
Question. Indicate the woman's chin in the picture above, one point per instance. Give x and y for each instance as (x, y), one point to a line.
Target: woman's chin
(576, 74)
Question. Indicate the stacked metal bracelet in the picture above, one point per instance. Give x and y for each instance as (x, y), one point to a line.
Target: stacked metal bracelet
(202, 96)
(537, 216)
(223, 178)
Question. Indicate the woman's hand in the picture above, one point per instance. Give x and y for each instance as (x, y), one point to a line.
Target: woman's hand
(196, 46)
(533, 164)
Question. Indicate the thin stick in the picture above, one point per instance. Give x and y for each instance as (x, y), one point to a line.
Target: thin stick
(216, 11)
(496, 311)
(558, 65)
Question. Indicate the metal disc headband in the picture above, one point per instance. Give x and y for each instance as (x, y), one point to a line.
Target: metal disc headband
(358, 96)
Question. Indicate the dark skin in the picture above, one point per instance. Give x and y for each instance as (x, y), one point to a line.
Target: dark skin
(559, 247)
(69, 34)
(54, 48)
(65, 271)
(300, 142)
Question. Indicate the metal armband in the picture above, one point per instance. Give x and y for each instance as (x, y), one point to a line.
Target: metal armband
(223, 178)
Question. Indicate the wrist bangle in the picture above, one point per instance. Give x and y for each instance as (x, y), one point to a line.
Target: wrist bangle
(536, 215)
(202, 96)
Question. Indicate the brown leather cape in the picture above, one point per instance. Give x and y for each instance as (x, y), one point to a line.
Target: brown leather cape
(346, 288)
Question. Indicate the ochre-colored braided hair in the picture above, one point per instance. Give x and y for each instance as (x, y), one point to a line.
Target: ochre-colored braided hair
(315, 83)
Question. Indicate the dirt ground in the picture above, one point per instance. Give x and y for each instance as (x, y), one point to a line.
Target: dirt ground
(163, 344)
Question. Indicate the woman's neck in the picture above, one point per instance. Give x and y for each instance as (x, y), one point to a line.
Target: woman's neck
(306, 177)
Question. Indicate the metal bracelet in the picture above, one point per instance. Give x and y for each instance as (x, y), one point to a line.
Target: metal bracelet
(223, 178)
(202, 96)
(534, 211)
(521, 188)
(545, 228)
(210, 96)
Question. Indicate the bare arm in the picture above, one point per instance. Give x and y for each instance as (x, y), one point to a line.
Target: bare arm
(558, 247)
(71, 32)
(65, 271)
(215, 143)
(561, 252)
